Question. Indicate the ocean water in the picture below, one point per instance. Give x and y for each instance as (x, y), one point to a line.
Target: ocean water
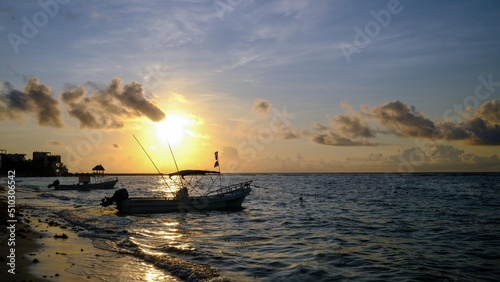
(348, 227)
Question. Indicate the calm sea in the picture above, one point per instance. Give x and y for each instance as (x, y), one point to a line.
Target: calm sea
(385, 227)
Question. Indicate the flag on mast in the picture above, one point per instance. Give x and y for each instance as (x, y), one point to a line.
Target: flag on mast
(216, 159)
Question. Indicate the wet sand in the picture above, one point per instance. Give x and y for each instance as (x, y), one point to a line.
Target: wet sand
(26, 249)
(48, 249)
(41, 247)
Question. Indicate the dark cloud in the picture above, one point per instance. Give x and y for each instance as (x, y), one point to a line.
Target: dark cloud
(319, 126)
(450, 131)
(261, 106)
(106, 107)
(482, 132)
(403, 120)
(445, 154)
(332, 139)
(352, 126)
(289, 133)
(479, 127)
(485, 124)
(103, 107)
(490, 111)
(350, 129)
(282, 128)
(133, 98)
(35, 100)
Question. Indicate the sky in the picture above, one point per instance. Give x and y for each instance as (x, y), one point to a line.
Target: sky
(273, 86)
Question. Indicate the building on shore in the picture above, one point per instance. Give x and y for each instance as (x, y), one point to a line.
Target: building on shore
(42, 164)
(4, 157)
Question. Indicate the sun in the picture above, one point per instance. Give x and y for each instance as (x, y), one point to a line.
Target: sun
(172, 129)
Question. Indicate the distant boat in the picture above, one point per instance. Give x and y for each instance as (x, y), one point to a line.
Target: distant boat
(224, 198)
(85, 183)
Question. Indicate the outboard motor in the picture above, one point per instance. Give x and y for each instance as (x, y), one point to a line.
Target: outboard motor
(118, 196)
(54, 184)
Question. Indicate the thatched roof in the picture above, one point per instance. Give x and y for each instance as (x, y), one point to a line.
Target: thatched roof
(98, 167)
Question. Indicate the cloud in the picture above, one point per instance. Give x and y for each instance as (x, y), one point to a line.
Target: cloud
(319, 126)
(261, 106)
(434, 157)
(106, 107)
(35, 100)
(176, 97)
(350, 129)
(274, 124)
(353, 126)
(447, 157)
(332, 139)
(55, 143)
(445, 154)
(490, 110)
(482, 132)
(403, 120)
(476, 127)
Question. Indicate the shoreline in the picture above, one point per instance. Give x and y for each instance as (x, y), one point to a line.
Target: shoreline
(40, 250)
(26, 249)
(47, 248)
(54, 243)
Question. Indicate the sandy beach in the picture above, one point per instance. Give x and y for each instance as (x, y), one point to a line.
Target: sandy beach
(42, 248)
(49, 249)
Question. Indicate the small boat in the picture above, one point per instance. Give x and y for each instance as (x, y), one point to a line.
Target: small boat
(224, 198)
(85, 183)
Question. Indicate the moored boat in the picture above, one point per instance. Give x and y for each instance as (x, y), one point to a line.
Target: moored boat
(107, 184)
(85, 182)
(225, 198)
(228, 197)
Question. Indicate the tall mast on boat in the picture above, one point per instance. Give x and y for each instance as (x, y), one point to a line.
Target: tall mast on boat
(153, 164)
(175, 162)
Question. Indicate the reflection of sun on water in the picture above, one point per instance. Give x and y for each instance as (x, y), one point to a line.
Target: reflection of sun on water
(173, 129)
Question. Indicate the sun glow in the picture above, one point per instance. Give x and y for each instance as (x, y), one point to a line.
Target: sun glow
(173, 129)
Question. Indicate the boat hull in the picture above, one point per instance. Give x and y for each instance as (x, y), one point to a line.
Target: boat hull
(230, 201)
(110, 184)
